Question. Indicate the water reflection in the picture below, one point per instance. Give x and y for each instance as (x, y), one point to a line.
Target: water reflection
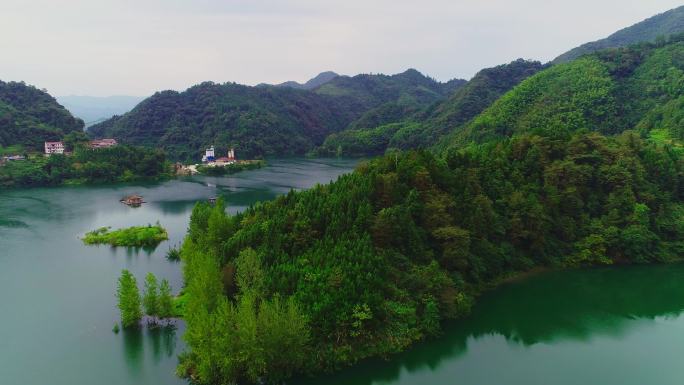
(553, 309)
(133, 348)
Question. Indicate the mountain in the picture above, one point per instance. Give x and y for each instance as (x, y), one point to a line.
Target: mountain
(315, 82)
(581, 164)
(397, 127)
(29, 116)
(640, 87)
(662, 25)
(95, 109)
(260, 121)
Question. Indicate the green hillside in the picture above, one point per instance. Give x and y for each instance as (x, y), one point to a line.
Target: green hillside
(611, 91)
(399, 127)
(29, 117)
(649, 30)
(263, 120)
(579, 165)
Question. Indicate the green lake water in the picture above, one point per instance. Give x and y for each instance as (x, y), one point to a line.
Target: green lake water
(599, 326)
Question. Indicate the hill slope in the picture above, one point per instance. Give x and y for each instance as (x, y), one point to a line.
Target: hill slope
(312, 83)
(641, 87)
(29, 116)
(262, 120)
(664, 24)
(412, 128)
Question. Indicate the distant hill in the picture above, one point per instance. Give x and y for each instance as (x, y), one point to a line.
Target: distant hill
(317, 81)
(670, 22)
(260, 120)
(401, 129)
(640, 87)
(95, 109)
(29, 116)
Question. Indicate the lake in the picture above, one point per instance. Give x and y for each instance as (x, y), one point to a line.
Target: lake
(57, 295)
(597, 326)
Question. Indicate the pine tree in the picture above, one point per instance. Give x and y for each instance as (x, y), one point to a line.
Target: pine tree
(129, 299)
(165, 300)
(151, 297)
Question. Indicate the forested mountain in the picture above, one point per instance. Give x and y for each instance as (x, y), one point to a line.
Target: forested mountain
(401, 127)
(662, 25)
(261, 120)
(581, 164)
(29, 116)
(640, 87)
(315, 82)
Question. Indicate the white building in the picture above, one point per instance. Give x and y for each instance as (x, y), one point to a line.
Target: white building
(54, 148)
(208, 155)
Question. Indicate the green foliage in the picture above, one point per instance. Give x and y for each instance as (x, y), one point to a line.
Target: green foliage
(378, 259)
(151, 296)
(401, 128)
(29, 117)
(128, 299)
(231, 168)
(165, 301)
(261, 121)
(136, 236)
(113, 164)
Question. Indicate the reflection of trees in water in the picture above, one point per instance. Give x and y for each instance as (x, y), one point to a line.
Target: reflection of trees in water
(551, 308)
(163, 341)
(160, 338)
(133, 348)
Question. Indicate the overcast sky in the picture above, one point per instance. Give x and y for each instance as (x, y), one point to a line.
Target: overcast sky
(136, 47)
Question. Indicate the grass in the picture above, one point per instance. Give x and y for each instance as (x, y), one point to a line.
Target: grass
(137, 236)
(179, 303)
(662, 136)
(12, 150)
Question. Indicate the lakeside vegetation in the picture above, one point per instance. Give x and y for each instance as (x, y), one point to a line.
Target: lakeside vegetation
(136, 236)
(156, 301)
(229, 169)
(113, 164)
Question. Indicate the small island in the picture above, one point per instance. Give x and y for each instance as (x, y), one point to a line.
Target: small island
(136, 236)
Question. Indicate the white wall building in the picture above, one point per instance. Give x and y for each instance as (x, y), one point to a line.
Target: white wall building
(54, 148)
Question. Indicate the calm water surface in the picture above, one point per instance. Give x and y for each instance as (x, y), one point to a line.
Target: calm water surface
(602, 326)
(57, 305)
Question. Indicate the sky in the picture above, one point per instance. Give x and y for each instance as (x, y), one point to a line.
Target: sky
(138, 47)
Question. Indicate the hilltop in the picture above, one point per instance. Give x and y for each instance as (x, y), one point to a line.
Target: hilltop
(29, 116)
(260, 121)
(315, 82)
(649, 30)
(399, 127)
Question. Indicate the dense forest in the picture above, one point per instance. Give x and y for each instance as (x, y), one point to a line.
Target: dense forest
(263, 120)
(29, 117)
(113, 164)
(578, 165)
(649, 30)
(371, 263)
(408, 127)
(641, 87)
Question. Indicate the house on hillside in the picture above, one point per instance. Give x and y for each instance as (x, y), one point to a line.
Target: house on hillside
(103, 143)
(54, 148)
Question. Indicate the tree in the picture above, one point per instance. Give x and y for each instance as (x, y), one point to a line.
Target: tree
(151, 297)
(129, 299)
(165, 308)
